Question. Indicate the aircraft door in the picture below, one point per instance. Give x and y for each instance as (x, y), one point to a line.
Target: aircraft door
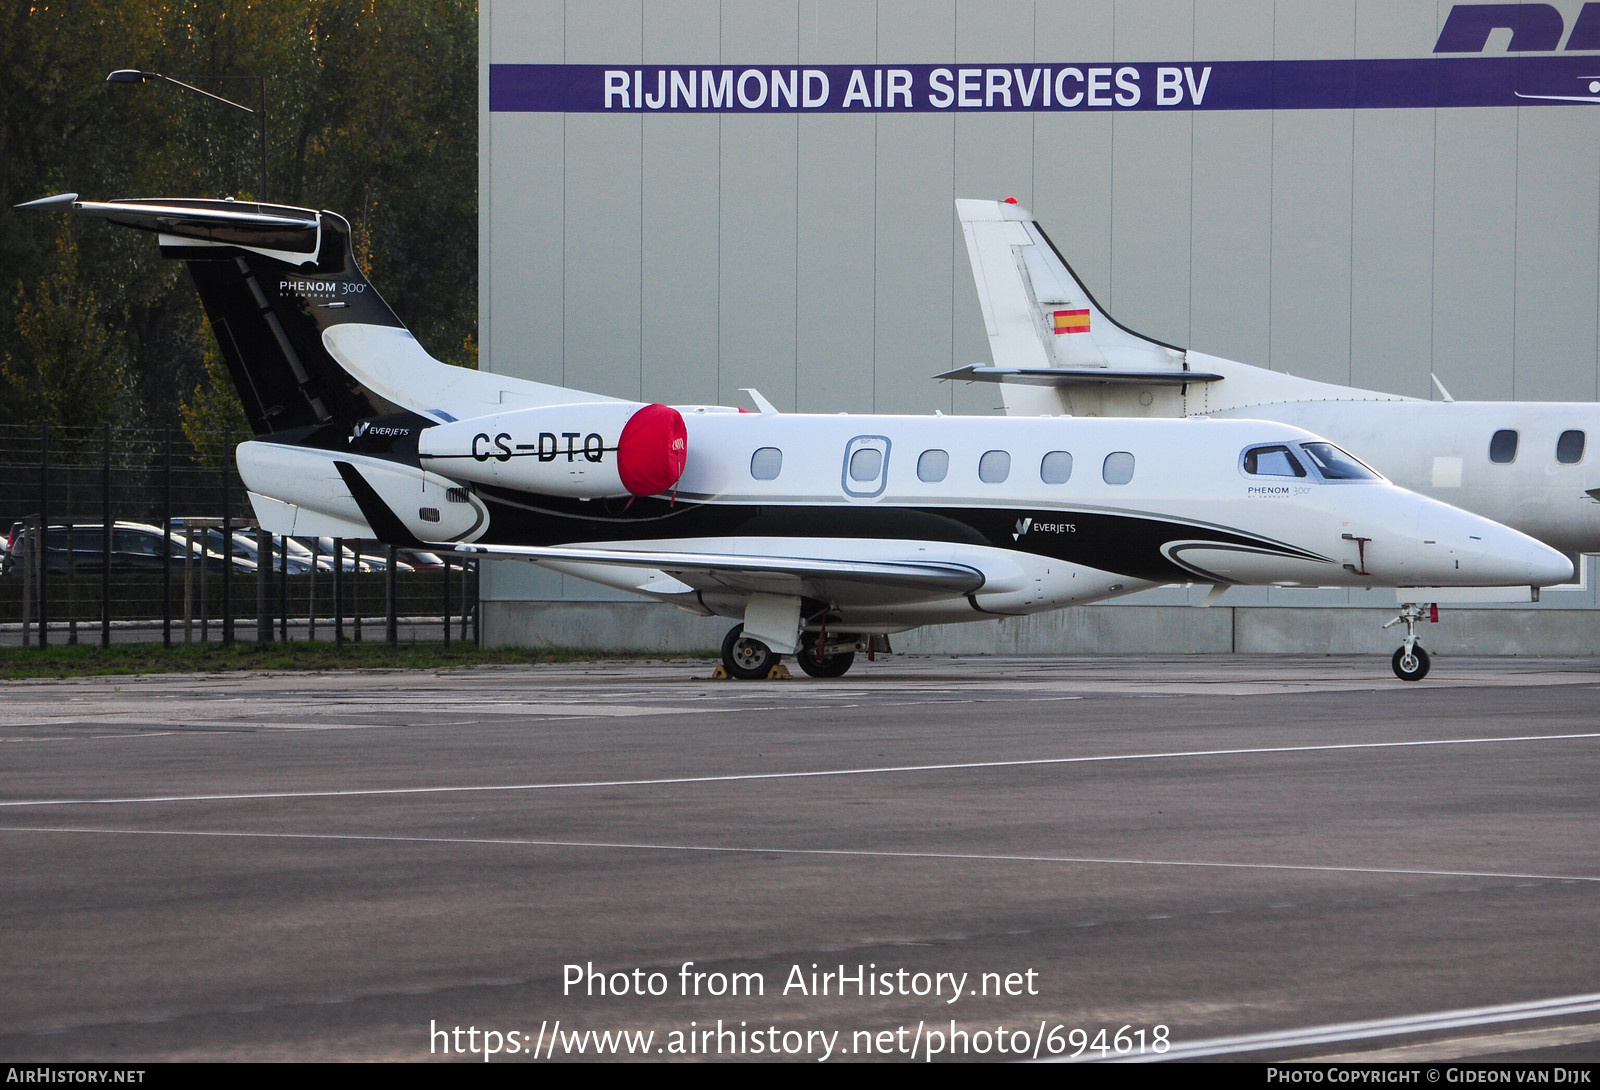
(866, 466)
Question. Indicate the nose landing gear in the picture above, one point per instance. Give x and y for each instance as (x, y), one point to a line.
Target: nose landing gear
(1410, 661)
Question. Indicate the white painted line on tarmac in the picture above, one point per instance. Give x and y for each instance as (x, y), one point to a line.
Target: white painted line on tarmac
(740, 777)
(1380, 1027)
(858, 853)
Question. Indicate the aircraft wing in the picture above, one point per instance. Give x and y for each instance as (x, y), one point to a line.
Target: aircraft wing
(820, 577)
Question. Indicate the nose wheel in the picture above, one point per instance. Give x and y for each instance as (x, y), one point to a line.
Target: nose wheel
(1410, 661)
(1411, 665)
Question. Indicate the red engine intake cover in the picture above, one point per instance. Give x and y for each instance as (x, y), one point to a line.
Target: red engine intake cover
(652, 450)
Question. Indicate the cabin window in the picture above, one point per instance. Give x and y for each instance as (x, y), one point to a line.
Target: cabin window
(766, 464)
(1569, 448)
(1274, 461)
(994, 466)
(865, 458)
(1503, 447)
(933, 466)
(1056, 467)
(865, 463)
(1118, 468)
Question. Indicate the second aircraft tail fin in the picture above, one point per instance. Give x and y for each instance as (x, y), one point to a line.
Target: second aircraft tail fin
(1049, 337)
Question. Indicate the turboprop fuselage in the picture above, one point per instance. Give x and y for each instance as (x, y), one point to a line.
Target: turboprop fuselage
(1530, 465)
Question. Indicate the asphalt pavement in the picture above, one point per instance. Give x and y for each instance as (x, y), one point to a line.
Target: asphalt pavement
(1229, 858)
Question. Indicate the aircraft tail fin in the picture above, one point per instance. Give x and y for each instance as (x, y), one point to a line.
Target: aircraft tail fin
(1040, 317)
(1026, 286)
(1057, 350)
(307, 339)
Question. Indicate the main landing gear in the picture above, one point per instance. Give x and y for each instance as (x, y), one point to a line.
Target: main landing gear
(824, 660)
(749, 659)
(1410, 661)
(746, 660)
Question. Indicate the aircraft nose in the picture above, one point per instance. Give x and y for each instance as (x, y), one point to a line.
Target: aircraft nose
(1550, 567)
(1490, 554)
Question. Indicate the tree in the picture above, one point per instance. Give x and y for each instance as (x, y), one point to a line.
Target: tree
(213, 414)
(67, 368)
(372, 112)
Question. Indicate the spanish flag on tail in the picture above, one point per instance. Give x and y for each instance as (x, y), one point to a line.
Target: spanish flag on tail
(1071, 321)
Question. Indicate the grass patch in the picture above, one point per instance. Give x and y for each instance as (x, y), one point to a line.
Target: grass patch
(206, 658)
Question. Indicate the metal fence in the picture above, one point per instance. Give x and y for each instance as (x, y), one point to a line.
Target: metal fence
(124, 535)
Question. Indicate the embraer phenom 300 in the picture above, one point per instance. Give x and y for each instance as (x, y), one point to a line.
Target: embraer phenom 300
(816, 533)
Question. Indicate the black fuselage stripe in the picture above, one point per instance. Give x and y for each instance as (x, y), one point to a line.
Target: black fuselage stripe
(1128, 545)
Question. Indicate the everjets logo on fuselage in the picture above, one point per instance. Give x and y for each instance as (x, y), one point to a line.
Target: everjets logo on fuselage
(1027, 525)
(367, 428)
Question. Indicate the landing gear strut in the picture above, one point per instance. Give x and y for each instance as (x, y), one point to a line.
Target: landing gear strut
(1410, 661)
(823, 659)
(746, 660)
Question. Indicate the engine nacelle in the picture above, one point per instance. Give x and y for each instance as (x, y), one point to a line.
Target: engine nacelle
(587, 451)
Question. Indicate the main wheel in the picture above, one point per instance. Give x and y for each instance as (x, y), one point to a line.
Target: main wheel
(745, 659)
(834, 665)
(1412, 667)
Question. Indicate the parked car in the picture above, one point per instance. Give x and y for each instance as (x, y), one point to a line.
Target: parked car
(374, 557)
(135, 547)
(286, 551)
(420, 561)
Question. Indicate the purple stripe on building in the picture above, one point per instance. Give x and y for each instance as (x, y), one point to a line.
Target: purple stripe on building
(1416, 83)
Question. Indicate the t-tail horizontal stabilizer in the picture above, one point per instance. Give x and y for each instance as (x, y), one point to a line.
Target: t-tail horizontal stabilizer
(307, 339)
(1075, 376)
(272, 278)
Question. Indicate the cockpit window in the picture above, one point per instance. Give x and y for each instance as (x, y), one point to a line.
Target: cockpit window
(1335, 465)
(1272, 462)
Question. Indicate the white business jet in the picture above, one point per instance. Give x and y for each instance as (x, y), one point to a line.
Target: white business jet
(820, 535)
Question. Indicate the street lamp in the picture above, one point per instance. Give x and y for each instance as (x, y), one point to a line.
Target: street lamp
(134, 75)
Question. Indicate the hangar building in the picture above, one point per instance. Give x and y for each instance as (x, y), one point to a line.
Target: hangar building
(684, 198)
